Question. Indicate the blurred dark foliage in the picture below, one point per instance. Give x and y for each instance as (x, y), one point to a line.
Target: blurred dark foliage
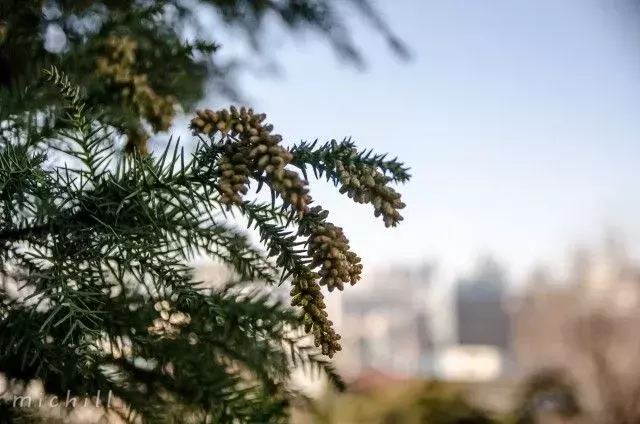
(177, 70)
(548, 390)
(173, 66)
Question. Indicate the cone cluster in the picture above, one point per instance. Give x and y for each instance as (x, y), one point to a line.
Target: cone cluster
(169, 323)
(246, 149)
(3, 32)
(252, 150)
(233, 175)
(117, 65)
(137, 140)
(366, 184)
(116, 348)
(332, 264)
(307, 295)
(158, 110)
(329, 249)
(193, 339)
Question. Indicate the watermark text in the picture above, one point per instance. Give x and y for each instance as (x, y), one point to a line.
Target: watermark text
(100, 400)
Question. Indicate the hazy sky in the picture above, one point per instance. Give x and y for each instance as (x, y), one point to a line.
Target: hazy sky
(519, 119)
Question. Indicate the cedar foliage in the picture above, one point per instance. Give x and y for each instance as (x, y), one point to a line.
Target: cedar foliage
(98, 294)
(140, 60)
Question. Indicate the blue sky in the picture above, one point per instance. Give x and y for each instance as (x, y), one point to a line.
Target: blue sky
(517, 117)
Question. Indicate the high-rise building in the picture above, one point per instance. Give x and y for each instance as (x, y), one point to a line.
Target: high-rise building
(481, 315)
(482, 318)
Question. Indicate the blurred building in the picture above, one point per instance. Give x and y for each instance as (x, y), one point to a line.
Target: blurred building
(586, 323)
(483, 326)
(470, 363)
(603, 281)
(542, 321)
(387, 326)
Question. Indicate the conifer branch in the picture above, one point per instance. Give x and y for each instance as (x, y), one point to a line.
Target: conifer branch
(102, 248)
